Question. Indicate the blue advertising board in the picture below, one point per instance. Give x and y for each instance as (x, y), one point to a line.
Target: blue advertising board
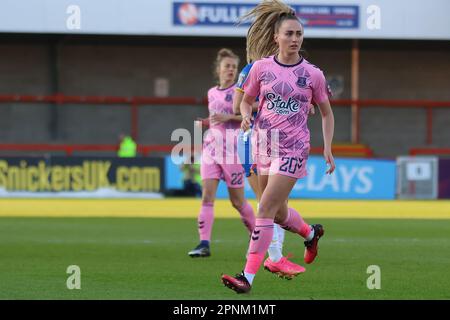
(174, 175)
(212, 14)
(352, 179)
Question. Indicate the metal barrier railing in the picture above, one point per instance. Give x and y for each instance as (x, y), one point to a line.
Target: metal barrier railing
(135, 102)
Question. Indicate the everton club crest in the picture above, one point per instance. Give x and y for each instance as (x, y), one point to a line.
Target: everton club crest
(301, 82)
(228, 97)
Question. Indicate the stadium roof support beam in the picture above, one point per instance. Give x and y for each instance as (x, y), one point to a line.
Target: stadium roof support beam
(355, 92)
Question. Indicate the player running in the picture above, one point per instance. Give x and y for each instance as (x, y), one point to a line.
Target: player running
(286, 84)
(219, 157)
(276, 262)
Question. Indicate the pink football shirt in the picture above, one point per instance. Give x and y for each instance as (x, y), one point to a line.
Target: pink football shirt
(221, 101)
(285, 93)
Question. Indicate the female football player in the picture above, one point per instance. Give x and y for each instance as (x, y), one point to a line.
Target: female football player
(286, 84)
(219, 157)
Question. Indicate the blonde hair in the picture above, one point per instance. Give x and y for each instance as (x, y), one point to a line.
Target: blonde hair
(222, 54)
(268, 16)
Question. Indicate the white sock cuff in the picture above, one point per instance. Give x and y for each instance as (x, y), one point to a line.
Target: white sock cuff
(311, 234)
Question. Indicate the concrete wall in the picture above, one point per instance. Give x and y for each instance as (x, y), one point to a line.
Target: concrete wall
(25, 68)
(113, 67)
(22, 123)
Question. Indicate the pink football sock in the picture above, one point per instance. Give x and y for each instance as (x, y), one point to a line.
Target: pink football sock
(260, 241)
(205, 220)
(295, 223)
(247, 216)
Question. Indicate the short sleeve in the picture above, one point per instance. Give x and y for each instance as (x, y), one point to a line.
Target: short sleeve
(252, 85)
(209, 96)
(321, 90)
(243, 77)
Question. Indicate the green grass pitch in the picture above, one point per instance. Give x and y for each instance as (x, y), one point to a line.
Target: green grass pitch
(146, 258)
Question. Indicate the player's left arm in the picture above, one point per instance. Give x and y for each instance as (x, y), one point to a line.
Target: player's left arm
(321, 94)
(328, 132)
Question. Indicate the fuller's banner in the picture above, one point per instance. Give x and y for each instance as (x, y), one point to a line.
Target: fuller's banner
(88, 176)
(363, 19)
(227, 14)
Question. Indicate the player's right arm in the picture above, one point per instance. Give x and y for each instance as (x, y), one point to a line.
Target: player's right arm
(246, 111)
(251, 89)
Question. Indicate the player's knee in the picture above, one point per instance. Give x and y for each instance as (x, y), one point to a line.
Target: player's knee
(207, 199)
(237, 203)
(266, 211)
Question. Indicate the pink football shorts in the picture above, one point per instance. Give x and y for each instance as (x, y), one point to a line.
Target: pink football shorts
(233, 174)
(291, 166)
